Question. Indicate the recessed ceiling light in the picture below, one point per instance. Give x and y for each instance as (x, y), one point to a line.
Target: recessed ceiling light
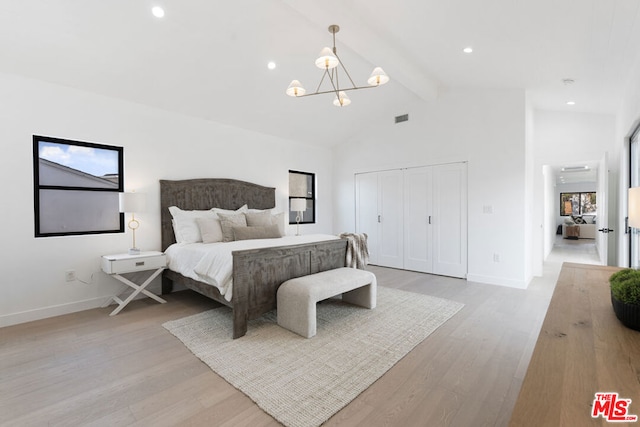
(157, 11)
(571, 102)
(467, 50)
(271, 65)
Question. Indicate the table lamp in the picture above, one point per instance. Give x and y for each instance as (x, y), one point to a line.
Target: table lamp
(298, 206)
(131, 203)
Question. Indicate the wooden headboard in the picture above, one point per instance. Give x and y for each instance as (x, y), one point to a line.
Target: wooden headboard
(207, 193)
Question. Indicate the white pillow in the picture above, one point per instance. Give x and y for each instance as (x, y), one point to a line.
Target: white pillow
(241, 209)
(185, 226)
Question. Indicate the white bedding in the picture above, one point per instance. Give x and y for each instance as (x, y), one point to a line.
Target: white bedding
(212, 263)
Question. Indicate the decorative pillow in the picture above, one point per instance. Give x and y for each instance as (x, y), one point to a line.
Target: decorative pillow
(578, 220)
(260, 219)
(228, 222)
(266, 232)
(185, 226)
(210, 229)
(278, 219)
(241, 209)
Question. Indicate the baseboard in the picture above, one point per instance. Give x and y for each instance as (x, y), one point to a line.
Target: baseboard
(51, 311)
(71, 307)
(500, 281)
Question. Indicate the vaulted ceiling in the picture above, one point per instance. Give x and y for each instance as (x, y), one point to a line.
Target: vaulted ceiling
(209, 59)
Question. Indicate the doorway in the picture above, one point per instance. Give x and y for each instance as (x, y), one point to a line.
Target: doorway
(574, 200)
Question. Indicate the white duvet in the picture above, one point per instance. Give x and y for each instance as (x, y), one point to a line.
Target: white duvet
(212, 263)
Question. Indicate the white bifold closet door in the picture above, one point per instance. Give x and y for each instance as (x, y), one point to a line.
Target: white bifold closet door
(379, 198)
(415, 218)
(418, 219)
(450, 220)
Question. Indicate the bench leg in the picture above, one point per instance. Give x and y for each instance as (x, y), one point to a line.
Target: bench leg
(364, 296)
(298, 318)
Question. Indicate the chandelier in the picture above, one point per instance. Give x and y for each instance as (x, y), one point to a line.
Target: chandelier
(329, 62)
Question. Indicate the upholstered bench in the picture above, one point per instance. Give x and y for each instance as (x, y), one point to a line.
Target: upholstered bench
(297, 297)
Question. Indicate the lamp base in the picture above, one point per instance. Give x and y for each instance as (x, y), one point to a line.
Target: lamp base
(134, 251)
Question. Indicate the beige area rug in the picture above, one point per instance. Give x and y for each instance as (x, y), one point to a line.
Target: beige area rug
(303, 382)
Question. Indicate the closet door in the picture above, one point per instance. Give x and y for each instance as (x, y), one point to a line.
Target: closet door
(449, 220)
(390, 208)
(418, 239)
(367, 212)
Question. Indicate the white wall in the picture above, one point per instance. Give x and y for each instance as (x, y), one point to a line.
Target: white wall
(549, 219)
(530, 245)
(563, 138)
(157, 145)
(485, 128)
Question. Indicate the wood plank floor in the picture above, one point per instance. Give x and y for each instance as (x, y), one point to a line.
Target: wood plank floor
(90, 369)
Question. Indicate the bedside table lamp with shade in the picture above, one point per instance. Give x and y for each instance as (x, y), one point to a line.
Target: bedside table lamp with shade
(131, 203)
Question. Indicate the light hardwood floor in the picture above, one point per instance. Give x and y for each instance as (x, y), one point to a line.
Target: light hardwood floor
(90, 369)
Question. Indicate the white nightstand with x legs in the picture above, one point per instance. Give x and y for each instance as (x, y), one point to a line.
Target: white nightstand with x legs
(118, 264)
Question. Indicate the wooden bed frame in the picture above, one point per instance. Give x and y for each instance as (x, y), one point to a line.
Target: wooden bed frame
(257, 273)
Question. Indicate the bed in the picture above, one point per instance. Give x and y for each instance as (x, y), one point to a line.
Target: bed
(257, 273)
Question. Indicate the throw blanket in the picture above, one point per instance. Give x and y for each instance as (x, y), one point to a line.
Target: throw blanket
(357, 251)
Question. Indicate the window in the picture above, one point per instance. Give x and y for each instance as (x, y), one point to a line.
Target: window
(76, 186)
(302, 186)
(578, 204)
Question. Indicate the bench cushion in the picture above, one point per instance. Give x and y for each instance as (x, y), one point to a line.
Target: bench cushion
(327, 284)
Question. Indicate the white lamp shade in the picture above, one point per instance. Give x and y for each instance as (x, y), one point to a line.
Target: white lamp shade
(634, 207)
(378, 77)
(342, 100)
(298, 205)
(295, 89)
(132, 202)
(327, 59)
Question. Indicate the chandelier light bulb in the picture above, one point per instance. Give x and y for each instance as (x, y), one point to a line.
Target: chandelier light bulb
(327, 60)
(378, 77)
(342, 100)
(295, 89)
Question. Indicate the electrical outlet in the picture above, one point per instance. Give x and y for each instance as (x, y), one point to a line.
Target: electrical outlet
(70, 275)
(496, 257)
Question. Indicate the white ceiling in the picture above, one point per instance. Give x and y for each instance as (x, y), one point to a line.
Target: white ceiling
(578, 173)
(208, 58)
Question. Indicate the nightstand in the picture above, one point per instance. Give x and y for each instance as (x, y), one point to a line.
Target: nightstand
(114, 265)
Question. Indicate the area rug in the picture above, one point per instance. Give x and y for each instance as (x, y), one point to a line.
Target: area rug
(303, 382)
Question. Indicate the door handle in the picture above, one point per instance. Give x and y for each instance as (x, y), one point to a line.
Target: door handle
(379, 218)
(429, 219)
(606, 230)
